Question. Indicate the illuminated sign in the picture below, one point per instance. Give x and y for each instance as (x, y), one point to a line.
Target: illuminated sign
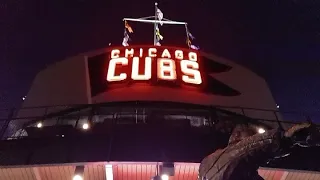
(156, 65)
(136, 64)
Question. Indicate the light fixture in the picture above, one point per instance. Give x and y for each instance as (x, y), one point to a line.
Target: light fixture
(78, 173)
(39, 125)
(77, 177)
(109, 172)
(164, 177)
(261, 130)
(85, 126)
(166, 170)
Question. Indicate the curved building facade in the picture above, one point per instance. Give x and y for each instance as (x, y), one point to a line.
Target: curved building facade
(133, 113)
(83, 79)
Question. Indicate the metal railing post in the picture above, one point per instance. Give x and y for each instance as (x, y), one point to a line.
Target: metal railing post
(243, 113)
(92, 113)
(275, 114)
(6, 123)
(278, 121)
(214, 118)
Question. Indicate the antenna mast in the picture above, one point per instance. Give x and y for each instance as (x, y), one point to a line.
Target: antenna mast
(155, 24)
(155, 20)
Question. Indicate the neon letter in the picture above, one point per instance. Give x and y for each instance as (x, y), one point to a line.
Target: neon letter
(135, 69)
(141, 52)
(166, 69)
(191, 71)
(128, 52)
(115, 53)
(193, 56)
(178, 54)
(152, 52)
(166, 54)
(112, 68)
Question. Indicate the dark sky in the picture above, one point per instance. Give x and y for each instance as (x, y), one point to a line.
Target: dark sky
(278, 39)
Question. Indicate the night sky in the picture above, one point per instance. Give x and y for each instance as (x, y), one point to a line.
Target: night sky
(277, 39)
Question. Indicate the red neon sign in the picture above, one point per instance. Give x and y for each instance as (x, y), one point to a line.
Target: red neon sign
(161, 63)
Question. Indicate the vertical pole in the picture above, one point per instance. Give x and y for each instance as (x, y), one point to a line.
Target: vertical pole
(187, 32)
(155, 24)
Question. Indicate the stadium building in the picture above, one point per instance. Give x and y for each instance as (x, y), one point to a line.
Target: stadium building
(135, 112)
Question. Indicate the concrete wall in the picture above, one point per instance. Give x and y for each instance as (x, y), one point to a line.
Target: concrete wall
(63, 83)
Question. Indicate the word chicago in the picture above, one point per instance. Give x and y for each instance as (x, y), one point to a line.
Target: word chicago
(166, 65)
